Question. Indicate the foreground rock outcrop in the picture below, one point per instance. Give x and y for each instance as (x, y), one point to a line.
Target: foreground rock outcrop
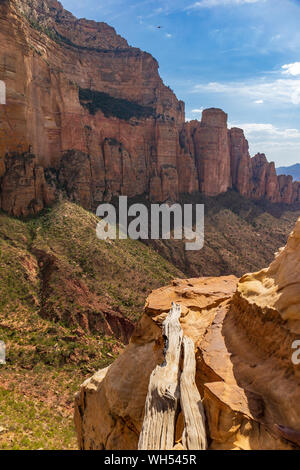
(95, 120)
(242, 333)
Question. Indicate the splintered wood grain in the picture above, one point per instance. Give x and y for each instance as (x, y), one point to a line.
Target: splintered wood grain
(163, 393)
(194, 433)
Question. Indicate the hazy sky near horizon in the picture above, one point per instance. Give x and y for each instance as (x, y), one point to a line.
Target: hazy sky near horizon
(239, 55)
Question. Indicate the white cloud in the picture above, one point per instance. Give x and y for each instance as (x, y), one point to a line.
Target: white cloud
(276, 91)
(215, 3)
(276, 37)
(257, 129)
(265, 145)
(168, 35)
(291, 69)
(277, 143)
(258, 101)
(197, 111)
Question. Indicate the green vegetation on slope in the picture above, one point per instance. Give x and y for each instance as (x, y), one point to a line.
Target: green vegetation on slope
(59, 287)
(29, 425)
(240, 236)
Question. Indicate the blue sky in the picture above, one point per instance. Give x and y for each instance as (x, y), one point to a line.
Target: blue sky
(239, 55)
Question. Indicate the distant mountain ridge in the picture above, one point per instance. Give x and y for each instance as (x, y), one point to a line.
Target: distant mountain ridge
(293, 170)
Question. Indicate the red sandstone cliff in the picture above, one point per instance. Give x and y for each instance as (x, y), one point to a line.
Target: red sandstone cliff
(211, 151)
(89, 116)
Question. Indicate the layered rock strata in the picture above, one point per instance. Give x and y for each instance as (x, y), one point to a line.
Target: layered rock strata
(243, 333)
(99, 121)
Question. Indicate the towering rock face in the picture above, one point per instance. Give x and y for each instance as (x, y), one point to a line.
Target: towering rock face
(243, 333)
(265, 182)
(286, 188)
(211, 151)
(241, 169)
(76, 86)
(255, 177)
(24, 187)
(92, 114)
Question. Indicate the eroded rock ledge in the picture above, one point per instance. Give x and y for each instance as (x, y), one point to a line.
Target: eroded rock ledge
(242, 332)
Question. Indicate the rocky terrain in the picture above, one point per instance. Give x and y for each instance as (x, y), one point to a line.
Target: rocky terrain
(89, 117)
(242, 331)
(68, 304)
(241, 235)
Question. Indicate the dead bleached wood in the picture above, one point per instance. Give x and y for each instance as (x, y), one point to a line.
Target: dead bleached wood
(163, 392)
(167, 386)
(194, 434)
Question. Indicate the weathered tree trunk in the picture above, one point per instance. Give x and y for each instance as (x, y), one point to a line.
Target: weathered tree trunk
(194, 434)
(163, 392)
(167, 384)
